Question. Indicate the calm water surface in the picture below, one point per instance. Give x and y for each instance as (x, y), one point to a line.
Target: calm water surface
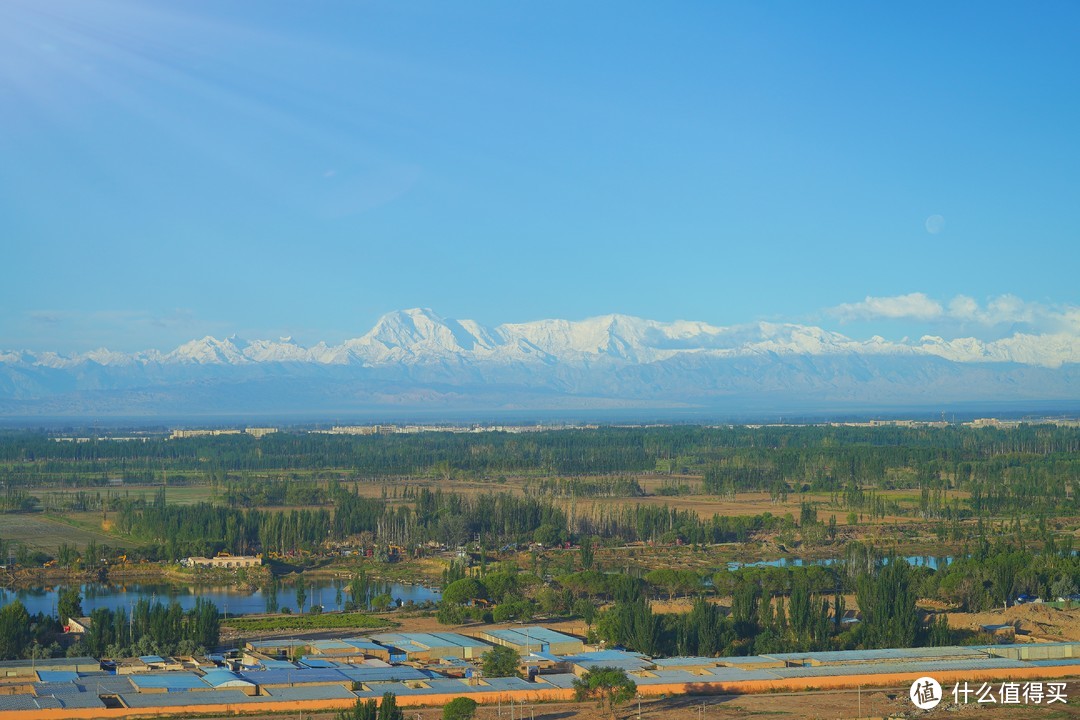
(234, 601)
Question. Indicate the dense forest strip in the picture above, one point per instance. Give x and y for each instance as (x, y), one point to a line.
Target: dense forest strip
(1021, 480)
(801, 453)
(1026, 470)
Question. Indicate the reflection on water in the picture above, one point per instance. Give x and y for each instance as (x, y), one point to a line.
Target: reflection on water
(331, 594)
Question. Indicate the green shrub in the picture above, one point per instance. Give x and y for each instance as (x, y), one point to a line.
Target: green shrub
(461, 708)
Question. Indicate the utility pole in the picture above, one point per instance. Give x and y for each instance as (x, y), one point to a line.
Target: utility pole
(860, 701)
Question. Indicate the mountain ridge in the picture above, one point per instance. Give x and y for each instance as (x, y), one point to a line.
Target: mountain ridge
(420, 334)
(416, 358)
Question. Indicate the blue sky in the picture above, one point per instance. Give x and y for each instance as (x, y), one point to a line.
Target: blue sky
(175, 169)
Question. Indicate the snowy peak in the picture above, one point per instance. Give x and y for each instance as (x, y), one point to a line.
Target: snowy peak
(799, 340)
(420, 336)
(637, 340)
(619, 337)
(207, 351)
(282, 350)
(1051, 350)
(408, 327)
(104, 356)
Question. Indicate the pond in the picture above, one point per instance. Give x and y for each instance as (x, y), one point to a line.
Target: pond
(231, 600)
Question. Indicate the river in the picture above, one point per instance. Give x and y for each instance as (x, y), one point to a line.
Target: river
(236, 601)
(229, 599)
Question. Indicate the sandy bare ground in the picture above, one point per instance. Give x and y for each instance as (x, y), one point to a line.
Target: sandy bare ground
(419, 624)
(1033, 623)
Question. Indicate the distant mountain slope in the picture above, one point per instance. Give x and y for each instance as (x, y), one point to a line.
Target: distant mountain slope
(415, 358)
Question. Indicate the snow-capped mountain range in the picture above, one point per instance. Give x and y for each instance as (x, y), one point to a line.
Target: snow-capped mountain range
(415, 357)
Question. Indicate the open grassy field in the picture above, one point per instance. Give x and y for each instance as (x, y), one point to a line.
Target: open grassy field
(182, 495)
(41, 532)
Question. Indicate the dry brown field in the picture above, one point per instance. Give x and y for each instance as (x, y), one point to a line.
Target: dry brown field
(705, 505)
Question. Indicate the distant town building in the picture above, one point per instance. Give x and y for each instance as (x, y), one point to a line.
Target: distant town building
(352, 430)
(180, 434)
(416, 429)
(255, 432)
(258, 432)
(223, 561)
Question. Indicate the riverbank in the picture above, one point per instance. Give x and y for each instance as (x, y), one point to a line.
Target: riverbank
(425, 571)
(144, 572)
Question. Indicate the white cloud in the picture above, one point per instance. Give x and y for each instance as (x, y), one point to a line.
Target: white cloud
(1003, 312)
(1008, 311)
(963, 308)
(1070, 319)
(1011, 309)
(913, 305)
